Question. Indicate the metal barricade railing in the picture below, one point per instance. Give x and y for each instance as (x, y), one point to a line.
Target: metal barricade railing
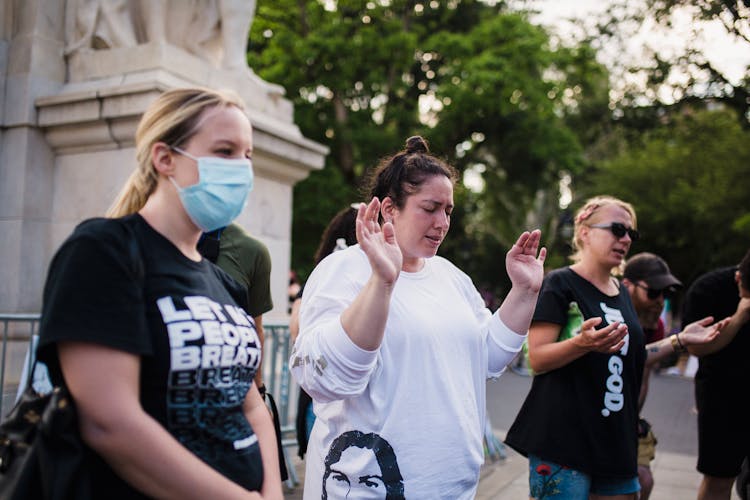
(278, 380)
(276, 366)
(17, 330)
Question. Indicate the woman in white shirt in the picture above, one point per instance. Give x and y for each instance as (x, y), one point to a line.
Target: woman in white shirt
(396, 344)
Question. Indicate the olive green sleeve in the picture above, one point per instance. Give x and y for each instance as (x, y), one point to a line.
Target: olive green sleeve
(259, 293)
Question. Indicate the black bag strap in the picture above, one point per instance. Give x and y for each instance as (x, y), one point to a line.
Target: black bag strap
(209, 244)
(277, 428)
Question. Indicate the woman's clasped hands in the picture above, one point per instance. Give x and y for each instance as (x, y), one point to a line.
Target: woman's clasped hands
(608, 339)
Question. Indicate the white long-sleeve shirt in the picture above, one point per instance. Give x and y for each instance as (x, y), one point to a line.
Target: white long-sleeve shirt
(422, 392)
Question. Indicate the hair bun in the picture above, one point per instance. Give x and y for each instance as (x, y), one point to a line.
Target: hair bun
(416, 144)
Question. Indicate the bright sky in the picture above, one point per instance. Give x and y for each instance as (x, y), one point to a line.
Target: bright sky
(730, 57)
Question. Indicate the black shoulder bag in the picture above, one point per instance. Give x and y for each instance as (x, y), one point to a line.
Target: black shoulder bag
(42, 455)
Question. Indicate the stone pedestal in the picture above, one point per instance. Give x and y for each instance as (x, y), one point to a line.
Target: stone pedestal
(67, 142)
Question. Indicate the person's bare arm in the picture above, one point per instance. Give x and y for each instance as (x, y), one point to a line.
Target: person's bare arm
(739, 319)
(261, 337)
(524, 264)
(696, 334)
(104, 383)
(294, 319)
(364, 320)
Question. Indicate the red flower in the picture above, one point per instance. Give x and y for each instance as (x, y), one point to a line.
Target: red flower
(543, 470)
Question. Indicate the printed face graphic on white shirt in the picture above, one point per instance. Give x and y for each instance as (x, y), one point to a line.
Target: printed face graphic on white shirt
(365, 482)
(361, 466)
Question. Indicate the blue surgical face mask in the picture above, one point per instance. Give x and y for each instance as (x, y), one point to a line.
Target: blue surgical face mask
(221, 192)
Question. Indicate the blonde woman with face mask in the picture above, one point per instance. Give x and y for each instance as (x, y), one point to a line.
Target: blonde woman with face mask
(148, 336)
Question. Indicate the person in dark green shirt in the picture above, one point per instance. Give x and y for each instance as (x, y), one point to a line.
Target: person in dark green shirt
(247, 260)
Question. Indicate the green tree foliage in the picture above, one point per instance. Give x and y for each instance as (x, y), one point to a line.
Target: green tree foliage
(689, 182)
(522, 112)
(343, 70)
(502, 115)
(486, 88)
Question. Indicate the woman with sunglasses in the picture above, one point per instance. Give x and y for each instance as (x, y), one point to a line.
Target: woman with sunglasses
(578, 425)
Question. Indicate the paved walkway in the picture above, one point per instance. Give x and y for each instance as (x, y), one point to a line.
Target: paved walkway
(669, 408)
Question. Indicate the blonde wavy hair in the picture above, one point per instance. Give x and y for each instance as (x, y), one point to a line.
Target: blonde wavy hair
(588, 211)
(173, 118)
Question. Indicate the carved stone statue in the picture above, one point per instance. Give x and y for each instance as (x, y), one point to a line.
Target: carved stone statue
(214, 30)
(98, 24)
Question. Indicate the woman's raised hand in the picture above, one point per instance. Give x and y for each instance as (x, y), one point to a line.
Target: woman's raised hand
(378, 243)
(526, 268)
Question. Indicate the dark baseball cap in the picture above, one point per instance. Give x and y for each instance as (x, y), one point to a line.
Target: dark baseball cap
(652, 269)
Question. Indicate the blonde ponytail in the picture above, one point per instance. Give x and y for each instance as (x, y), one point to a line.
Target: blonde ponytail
(134, 193)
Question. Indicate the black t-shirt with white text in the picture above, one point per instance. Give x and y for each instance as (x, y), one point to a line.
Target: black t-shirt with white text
(121, 284)
(583, 415)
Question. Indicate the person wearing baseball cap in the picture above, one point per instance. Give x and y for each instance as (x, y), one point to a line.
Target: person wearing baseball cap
(649, 281)
(653, 270)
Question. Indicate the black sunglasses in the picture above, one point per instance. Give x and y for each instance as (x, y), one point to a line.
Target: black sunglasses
(653, 293)
(619, 230)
